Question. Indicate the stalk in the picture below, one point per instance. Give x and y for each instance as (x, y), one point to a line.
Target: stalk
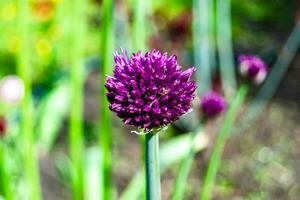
(5, 181)
(23, 64)
(139, 24)
(201, 43)
(185, 168)
(211, 21)
(152, 166)
(139, 44)
(76, 142)
(224, 40)
(215, 158)
(105, 140)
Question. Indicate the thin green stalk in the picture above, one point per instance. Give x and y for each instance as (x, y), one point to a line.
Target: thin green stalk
(224, 40)
(185, 167)
(215, 158)
(76, 147)
(152, 166)
(107, 37)
(30, 158)
(5, 181)
(211, 21)
(201, 43)
(139, 44)
(139, 24)
(169, 154)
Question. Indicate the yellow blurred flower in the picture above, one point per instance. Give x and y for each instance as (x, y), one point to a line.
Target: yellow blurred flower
(43, 9)
(55, 32)
(13, 44)
(8, 11)
(43, 47)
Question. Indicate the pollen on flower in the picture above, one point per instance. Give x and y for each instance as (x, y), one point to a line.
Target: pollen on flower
(151, 90)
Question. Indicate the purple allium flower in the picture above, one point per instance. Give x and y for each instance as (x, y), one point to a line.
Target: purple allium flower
(149, 91)
(212, 104)
(253, 68)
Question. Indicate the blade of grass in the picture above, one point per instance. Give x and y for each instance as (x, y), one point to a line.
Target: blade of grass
(93, 164)
(59, 99)
(201, 43)
(23, 64)
(224, 42)
(215, 158)
(76, 142)
(211, 20)
(184, 169)
(139, 24)
(169, 155)
(139, 44)
(107, 39)
(5, 180)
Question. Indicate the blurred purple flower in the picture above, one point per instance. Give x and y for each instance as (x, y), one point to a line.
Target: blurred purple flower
(149, 91)
(212, 104)
(2, 126)
(253, 68)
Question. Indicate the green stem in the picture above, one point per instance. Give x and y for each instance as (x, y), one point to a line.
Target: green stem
(215, 158)
(139, 24)
(201, 43)
(152, 166)
(184, 169)
(139, 44)
(5, 181)
(224, 40)
(107, 37)
(77, 26)
(30, 161)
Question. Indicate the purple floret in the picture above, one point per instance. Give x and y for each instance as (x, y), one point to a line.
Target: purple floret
(253, 68)
(212, 104)
(149, 91)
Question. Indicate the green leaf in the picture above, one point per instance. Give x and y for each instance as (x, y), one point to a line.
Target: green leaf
(52, 112)
(64, 168)
(92, 174)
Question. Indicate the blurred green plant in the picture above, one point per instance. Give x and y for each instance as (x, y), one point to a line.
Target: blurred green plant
(225, 48)
(214, 161)
(105, 139)
(139, 30)
(169, 155)
(185, 167)
(92, 166)
(76, 141)
(202, 43)
(27, 133)
(58, 98)
(6, 189)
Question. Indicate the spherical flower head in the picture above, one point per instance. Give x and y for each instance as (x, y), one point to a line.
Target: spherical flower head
(2, 126)
(212, 104)
(149, 91)
(253, 67)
